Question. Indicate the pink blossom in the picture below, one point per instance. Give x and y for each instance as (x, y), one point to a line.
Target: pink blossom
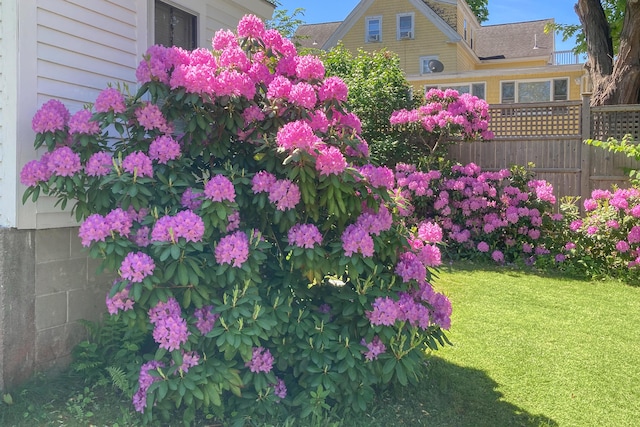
(304, 236)
(309, 67)
(297, 134)
(261, 360)
(81, 123)
(164, 148)
(138, 164)
(285, 194)
(51, 117)
(333, 88)
(34, 172)
(219, 188)
(136, 266)
(63, 162)
(110, 100)
(330, 161)
(262, 182)
(483, 247)
(95, 228)
(99, 164)
(356, 240)
(375, 348)
(303, 95)
(233, 249)
(150, 117)
(251, 26)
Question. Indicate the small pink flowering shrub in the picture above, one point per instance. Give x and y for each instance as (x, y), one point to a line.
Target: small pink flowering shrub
(258, 252)
(446, 117)
(603, 240)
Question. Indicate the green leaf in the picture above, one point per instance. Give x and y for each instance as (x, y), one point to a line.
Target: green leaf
(183, 275)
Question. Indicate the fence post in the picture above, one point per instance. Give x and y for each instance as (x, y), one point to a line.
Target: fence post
(585, 150)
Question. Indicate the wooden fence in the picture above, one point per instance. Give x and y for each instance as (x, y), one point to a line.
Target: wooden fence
(550, 136)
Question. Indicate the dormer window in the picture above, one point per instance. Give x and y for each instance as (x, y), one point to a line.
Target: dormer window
(404, 25)
(373, 29)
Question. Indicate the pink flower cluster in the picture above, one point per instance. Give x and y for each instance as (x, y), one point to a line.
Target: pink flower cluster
(304, 236)
(81, 123)
(138, 164)
(284, 193)
(233, 249)
(219, 188)
(136, 266)
(51, 117)
(205, 319)
(355, 239)
(449, 112)
(144, 382)
(119, 301)
(110, 100)
(374, 348)
(96, 228)
(164, 148)
(170, 328)
(99, 164)
(185, 224)
(261, 360)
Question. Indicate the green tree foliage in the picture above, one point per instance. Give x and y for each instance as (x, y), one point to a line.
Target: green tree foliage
(377, 88)
(286, 23)
(613, 9)
(480, 9)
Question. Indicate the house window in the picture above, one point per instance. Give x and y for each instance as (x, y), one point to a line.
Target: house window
(535, 91)
(464, 25)
(425, 67)
(373, 29)
(404, 25)
(175, 27)
(475, 89)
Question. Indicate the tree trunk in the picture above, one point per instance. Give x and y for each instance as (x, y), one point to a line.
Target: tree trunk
(619, 82)
(599, 45)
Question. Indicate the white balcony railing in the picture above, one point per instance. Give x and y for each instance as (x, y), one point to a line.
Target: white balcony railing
(566, 57)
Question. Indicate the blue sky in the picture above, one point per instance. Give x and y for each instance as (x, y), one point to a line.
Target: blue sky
(500, 12)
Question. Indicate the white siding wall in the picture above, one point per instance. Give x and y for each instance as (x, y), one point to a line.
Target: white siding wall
(8, 114)
(70, 50)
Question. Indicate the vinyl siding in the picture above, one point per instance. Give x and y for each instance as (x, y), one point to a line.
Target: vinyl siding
(80, 48)
(3, 137)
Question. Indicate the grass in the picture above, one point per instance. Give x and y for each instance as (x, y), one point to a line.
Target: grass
(529, 350)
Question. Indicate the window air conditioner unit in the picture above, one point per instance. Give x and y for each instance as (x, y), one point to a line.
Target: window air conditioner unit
(374, 38)
(406, 35)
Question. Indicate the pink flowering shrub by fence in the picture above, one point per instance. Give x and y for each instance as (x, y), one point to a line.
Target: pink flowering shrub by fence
(262, 259)
(605, 239)
(447, 117)
(500, 216)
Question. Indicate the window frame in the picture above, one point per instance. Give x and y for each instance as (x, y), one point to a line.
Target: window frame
(470, 86)
(399, 31)
(553, 84)
(173, 6)
(371, 38)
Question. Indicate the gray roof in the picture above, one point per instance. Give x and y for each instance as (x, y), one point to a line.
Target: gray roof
(515, 40)
(315, 35)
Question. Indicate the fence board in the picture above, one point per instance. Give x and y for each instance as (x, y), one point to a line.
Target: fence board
(550, 135)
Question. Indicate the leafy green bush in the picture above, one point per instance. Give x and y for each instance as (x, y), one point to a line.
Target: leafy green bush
(377, 88)
(260, 255)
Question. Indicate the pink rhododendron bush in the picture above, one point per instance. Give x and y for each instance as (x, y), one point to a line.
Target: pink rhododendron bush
(603, 240)
(504, 216)
(259, 256)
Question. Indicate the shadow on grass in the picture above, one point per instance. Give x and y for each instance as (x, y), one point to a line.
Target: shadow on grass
(449, 396)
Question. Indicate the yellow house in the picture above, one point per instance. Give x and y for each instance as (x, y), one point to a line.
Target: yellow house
(441, 44)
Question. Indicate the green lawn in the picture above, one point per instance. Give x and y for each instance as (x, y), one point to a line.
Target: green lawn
(538, 350)
(529, 350)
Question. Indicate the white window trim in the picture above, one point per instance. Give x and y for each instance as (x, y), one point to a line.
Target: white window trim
(192, 7)
(412, 31)
(469, 84)
(551, 88)
(367, 38)
(424, 59)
